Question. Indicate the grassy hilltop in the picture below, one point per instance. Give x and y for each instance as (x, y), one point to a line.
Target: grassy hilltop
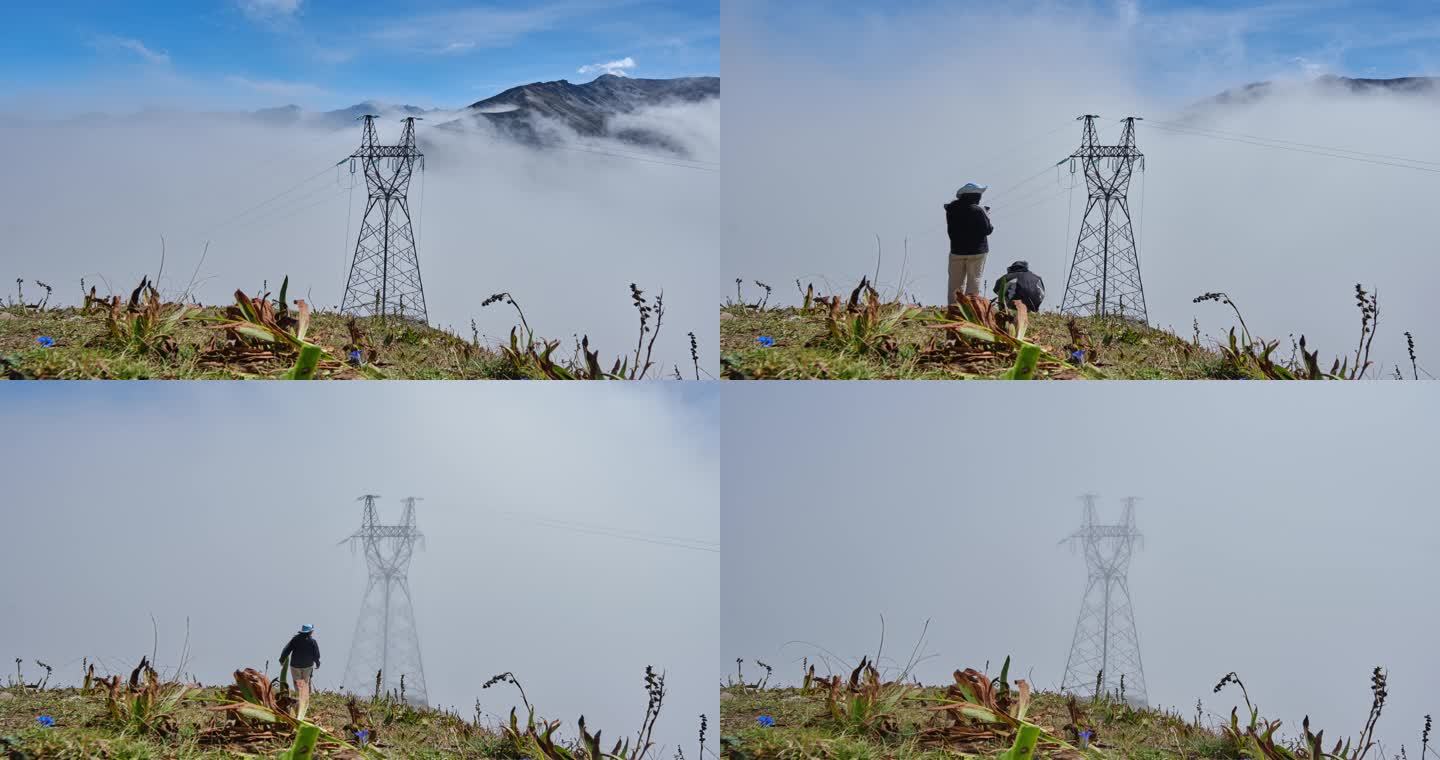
(865, 337)
(866, 717)
(84, 728)
(267, 336)
(151, 716)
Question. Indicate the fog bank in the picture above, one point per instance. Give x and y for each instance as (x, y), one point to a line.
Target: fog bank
(1287, 545)
(165, 511)
(565, 230)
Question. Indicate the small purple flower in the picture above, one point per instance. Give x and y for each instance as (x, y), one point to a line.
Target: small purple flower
(765, 721)
(45, 720)
(46, 341)
(363, 735)
(1085, 738)
(765, 340)
(1077, 357)
(355, 356)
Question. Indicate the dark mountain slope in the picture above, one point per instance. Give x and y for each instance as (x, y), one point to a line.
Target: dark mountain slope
(588, 108)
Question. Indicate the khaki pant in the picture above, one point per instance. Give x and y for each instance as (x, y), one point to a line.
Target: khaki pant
(965, 275)
(302, 677)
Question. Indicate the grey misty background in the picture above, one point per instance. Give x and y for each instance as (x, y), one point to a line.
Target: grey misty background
(1290, 537)
(561, 195)
(224, 503)
(875, 116)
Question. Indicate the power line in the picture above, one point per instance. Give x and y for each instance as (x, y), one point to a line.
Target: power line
(1036, 175)
(620, 533)
(684, 543)
(281, 213)
(1030, 178)
(684, 539)
(221, 225)
(1069, 217)
(349, 215)
(942, 226)
(1011, 210)
(1180, 125)
(1299, 150)
(1016, 146)
(1029, 195)
(335, 194)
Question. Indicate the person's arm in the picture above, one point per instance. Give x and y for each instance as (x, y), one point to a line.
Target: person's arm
(317, 654)
(989, 227)
(289, 647)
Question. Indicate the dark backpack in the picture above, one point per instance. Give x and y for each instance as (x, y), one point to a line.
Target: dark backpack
(1023, 286)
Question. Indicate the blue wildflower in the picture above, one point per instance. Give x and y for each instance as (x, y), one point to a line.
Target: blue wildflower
(363, 735)
(1085, 739)
(45, 720)
(1077, 357)
(45, 340)
(765, 721)
(765, 340)
(355, 357)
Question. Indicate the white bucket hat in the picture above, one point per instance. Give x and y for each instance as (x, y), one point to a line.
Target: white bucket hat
(971, 188)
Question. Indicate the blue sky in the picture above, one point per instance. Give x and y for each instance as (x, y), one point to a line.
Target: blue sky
(1174, 43)
(332, 53)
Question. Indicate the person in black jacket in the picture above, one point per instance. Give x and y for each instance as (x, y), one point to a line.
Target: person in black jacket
(1020, 284)
(969, 226)
(303, 655)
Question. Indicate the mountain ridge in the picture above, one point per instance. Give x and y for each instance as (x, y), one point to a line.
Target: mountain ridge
(588, 108)
(1329, 83)
(527, 113)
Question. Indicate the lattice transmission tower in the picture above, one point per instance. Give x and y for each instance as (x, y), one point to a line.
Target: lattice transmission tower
(1106, 646)
(385, 273)
(1105, 271)
(385, 636)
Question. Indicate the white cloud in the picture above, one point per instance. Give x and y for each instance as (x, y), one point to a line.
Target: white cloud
(617, 68)
(269, 9)
(137, 47)
(277, 87)
(525, 190)
(461, 30)
(1310, 68)
(457, 47)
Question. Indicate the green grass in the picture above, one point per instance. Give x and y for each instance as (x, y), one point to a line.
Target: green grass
(804, 728)
(804, 349)
(82, 729)
(84, 349)
(260, 337)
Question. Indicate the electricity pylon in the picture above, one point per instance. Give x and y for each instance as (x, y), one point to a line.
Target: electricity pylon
(385, 273)
(385, 637)
(1105, 271)
(1106, 647)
